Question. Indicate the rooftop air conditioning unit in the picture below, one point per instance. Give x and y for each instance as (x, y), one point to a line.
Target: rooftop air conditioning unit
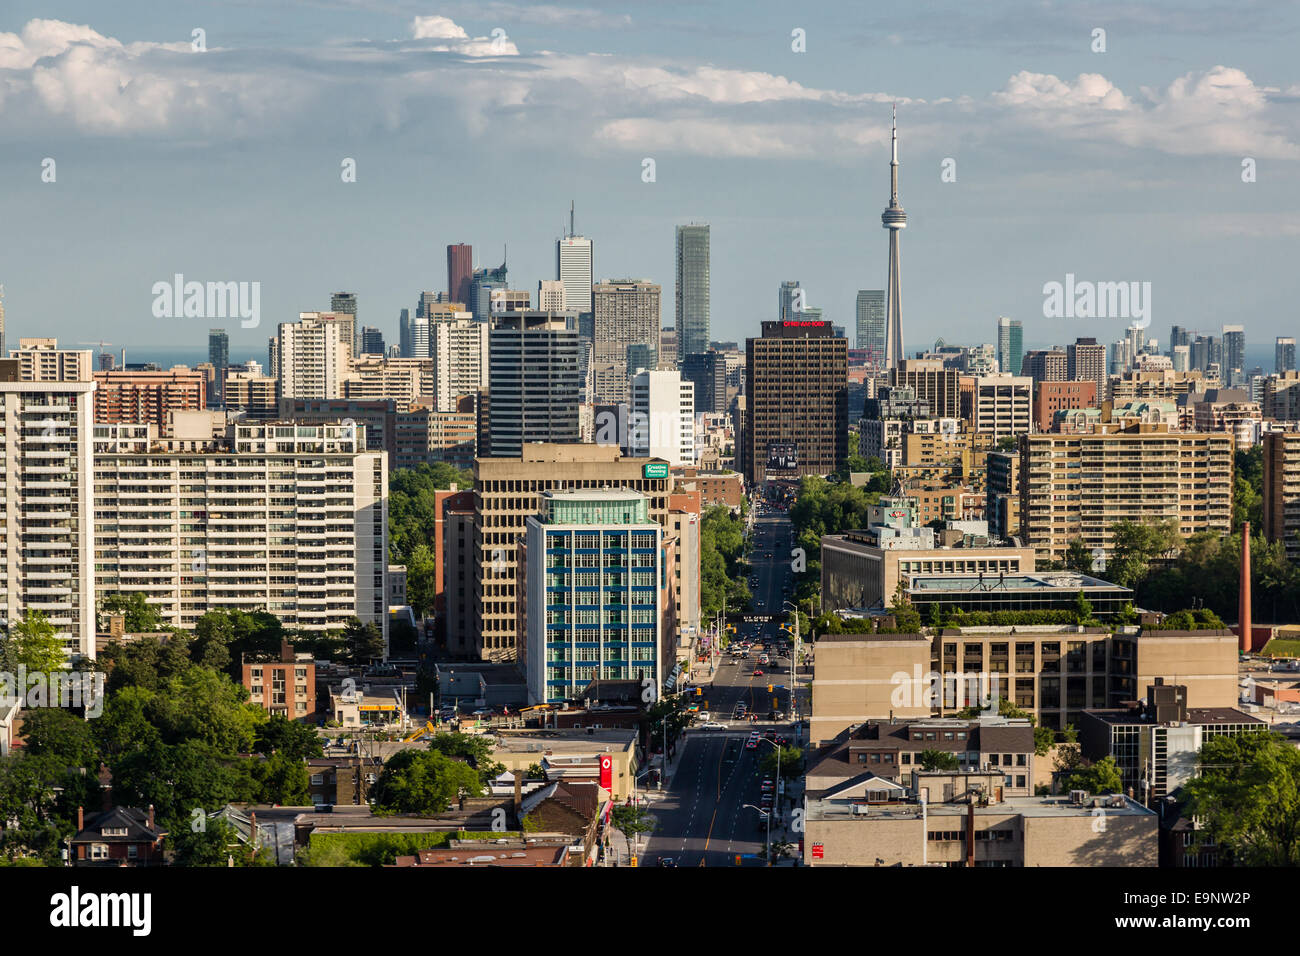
(1078, 797)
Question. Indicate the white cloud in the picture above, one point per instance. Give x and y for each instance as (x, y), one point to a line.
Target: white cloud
(1216, 112)
(437, 28)
(443, 28)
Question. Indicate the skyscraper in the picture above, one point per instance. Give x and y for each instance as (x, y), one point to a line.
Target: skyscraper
(534, 386)
(481, 286)
(707, 372)
(460, 270)
(790, 300)
(550, 295)
(574, 266)
(894, 219)
(1086, 360)
(345, 303)
(871, 325)
(692, 292)
(626, 312)
(1283, 351)
(1234, 351)
(1011, 349)
(796, 387)
(3, 353)
(372, 341)
(219, 356)
(48, 500)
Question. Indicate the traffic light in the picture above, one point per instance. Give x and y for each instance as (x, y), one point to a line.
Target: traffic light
(769, 688)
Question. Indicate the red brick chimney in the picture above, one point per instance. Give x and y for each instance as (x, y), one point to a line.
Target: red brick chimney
(151, 816)
(81, 820)
(1243, 605)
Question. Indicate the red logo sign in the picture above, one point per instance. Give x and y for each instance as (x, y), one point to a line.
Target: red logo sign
(818, 852)
(607, 772)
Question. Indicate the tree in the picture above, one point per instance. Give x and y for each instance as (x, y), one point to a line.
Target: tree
(1083, 610)
(424, 782)
(791, 762)
(1135, 546)
(281, 735)
(1248, 488)
(35, 645)
(474, 749)
(1248, 797)
(62, 735)
(281, 779)
(147, 663)
(1078, 557)
(139, 615)
(412, 519)
(1101, 776)
(631, 820)
(365, 642)
(938, 760)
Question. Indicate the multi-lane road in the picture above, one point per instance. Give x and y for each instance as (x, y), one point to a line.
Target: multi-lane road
(701, 818)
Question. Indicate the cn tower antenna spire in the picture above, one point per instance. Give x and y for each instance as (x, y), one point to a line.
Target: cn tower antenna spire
(895, 220)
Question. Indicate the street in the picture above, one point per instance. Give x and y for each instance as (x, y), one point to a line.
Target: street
(702, 818)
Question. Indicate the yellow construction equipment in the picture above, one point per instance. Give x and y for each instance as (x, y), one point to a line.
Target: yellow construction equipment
(425, 731)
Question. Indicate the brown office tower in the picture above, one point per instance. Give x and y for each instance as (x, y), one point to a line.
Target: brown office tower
(796, 385)
(460, 270)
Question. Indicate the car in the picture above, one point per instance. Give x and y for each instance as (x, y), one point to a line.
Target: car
(756, 673)
(751, 744)
(780, 740)
(767, 786)
(703, 716)
(712, 725)
(667, 861)
(770, 735)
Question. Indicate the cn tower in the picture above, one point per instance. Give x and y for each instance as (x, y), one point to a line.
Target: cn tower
(893, 219)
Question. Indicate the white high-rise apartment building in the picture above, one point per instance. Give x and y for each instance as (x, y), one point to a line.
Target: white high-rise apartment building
(550, 295)
(47, 537)
(459, 346)
(662, 420)
(313, 355)
(280, 516)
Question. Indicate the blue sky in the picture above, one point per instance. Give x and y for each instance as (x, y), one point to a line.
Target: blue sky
(225, 164)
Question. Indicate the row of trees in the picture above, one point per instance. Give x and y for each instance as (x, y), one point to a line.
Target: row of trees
(831, 507)
(722, 567)
(411, 522)
(1164, 568)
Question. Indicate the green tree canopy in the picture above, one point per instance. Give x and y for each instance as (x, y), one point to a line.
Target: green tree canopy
(938, 760)
(424, 782)
(1248, 797)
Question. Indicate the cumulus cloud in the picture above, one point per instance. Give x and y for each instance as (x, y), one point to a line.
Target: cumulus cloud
(444, 28)
(54, 73)
(1220, 111)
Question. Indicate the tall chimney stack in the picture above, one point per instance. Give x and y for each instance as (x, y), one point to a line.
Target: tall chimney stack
(1243, 605)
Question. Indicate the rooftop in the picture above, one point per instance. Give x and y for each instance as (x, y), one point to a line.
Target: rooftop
(1047, 580)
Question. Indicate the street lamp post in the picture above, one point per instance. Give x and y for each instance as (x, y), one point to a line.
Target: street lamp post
(794, 667)
(776, 786)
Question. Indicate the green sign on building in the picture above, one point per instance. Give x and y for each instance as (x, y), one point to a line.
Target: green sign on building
(656, 469)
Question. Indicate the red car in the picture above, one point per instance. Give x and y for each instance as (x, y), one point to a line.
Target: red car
(757, 673)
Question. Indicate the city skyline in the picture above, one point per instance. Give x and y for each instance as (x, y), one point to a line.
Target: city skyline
(1155, 124)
